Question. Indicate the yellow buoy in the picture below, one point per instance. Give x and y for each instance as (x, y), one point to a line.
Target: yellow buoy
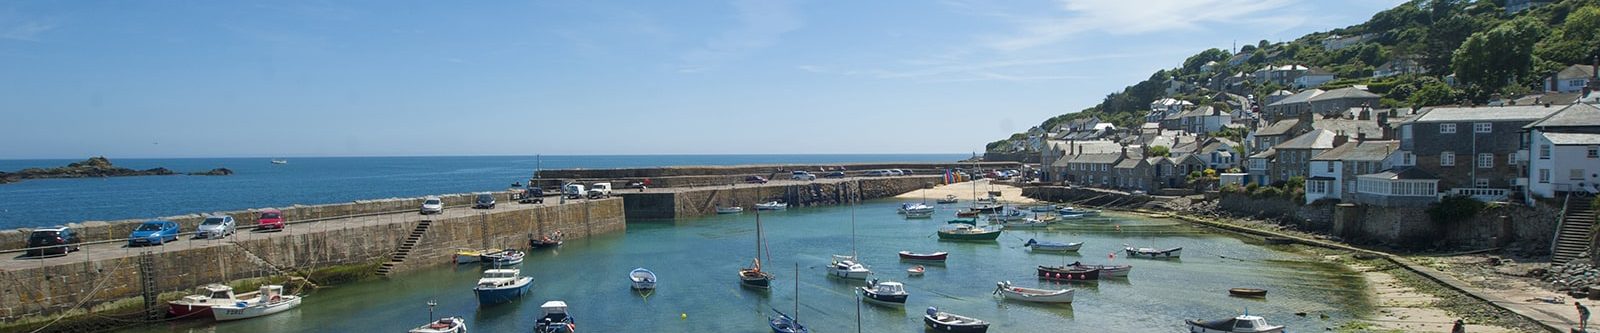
(684, 316)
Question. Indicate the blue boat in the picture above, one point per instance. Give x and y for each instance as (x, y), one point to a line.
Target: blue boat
(785, 324)
(502, 285)
(503, 258)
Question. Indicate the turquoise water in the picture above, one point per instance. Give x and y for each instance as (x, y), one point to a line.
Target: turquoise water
(697, 261)
(257, 183)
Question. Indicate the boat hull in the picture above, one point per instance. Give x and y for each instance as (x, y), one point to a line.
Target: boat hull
(467, 258)
(642, 279)
(1196, 328)
(544, 244)
(943, 327)
(504, 294)
(1009, 292)
(1071, 247)
(848, 274)
(755, 280)
(175, 310)
(457, 325)
(937, 256)
(1172, 253)
(986, 236)
(882, 298)
(1108, 271)
(1068, 274)
(254, 310)
(1247, 292)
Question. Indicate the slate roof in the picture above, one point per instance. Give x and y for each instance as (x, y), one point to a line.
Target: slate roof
(1575, 72)
(1317, 139)
(1097, 158)
(1301, 97)
(1269, 153)
(1561, 139)
(1096, 147)
(1278, 128)
(1549, 97)
(1349, 126)
(1359, 151)
(1572, 115)
(1342, 93)
(1484, 113)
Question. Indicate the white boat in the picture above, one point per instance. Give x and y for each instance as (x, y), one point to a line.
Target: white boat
(1069, 210)
(268, 301)
(1008, 291)
(948, 199)
(1048, 246)
(916, 270)
(730, 210)
(200, 303)
(1026, 223)
(1245, 323)
(467, 256)
(919, 214)
(772, 205)
(847, 267)
(443, 325)
(501, 285)
(503, 258)
(1145, 252)
(279, 161)
(643, 279)
(555, 319)
(908, 208)
(1105, 270)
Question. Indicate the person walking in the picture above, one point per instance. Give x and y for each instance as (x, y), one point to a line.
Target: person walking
(1583, 317)
(1460, 327)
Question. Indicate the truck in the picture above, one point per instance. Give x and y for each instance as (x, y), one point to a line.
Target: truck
(531, 195)
(600, 190)
(572, 191)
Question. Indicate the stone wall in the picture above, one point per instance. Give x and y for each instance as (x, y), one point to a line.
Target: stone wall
(656, 172)
(1086, 196)
(1527, 228)
(1317, 216)
(704, 201)
(577, 219)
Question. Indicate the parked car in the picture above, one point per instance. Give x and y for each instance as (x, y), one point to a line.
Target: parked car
(755, 180)
(573, 191)
(52, 241)
(802, 175)
(215, 226)
(432, 205)
(895, 172)
(835, 174)
(600, 190)
(877, 173)
(533, 194)
(270, 219)
(153, 233)
(484, 201)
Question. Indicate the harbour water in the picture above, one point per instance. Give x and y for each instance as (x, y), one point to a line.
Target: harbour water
(257, 183)
(697, 260)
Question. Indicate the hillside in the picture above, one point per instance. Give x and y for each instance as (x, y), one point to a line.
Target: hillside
(1476, 45)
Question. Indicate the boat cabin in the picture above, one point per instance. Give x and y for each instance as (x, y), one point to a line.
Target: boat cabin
(495, 278)
(215, 291)
(271, 293)
(889, 288)
(1249, 324)
(554, 311)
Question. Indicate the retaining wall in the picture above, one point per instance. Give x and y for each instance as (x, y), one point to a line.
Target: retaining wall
(622, 173)
(704, 201)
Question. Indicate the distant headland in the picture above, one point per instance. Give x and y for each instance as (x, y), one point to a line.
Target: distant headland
(97, 166)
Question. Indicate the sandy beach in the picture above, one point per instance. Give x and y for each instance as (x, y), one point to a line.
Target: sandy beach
(966, 192)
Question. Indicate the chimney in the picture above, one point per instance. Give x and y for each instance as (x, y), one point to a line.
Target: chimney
(1365, 114)
(1383, 126)
(1361, 136)
(1340, 139)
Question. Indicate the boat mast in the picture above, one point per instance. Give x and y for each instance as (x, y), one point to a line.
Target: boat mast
(796, 293)
(853, 222)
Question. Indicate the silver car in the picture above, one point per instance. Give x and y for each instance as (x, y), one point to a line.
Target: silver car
(432, 205)
(215, 226)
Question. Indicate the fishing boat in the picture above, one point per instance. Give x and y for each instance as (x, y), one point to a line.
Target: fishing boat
(555, 319)
(1009, 215)
(1048, 246)
(783, 323)
(919, 214)
(269, 300)
(467, 256)
(948, 199)
(643, 279)
(908, 208)
(1244, 323)
(1106, 271)
(916, 270)
(199, 304)
(887, 292)
(443, 325)
(1248, 292)
(967, 220)
(1078, 211)
(772, 205)
(1026, 223)
(753, 276)
(1008, 291)
(949, 322)
(280, 161)
(913, 256)
(968, 232)
(503, 258)
(846, 267)
(1068, 273)
(501, 285)
(1151, 253)
(547, 241)
(729, 210)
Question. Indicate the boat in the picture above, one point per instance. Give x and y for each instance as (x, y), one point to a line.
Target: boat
(729, 210)
(1145, 252)
(1010, 215)
(988, 200)
(199, 304)
(1048, 246)
(936, 256)
(1042, 208)
(783, 323)
(753, 276)
(919, 214)
(1106, 271)
(547, 241)
(948, 199)
(280, 161)
(1068, 273)
(908, 208)
(643, 279)
(269, 300)
(503, 258)
(1026, 223)
(1069, 210)
(1008, 291)
(467, 256)
(887, 292)
(1070, 216)
(967, 220)
(967, 213)
(443, 325)
(949, 322)
(1244, 323)
(555, 319)
(916, 270)
(501, 285)
(846, 267)
(988, 208)
(772, 205)
(1248, 292)
(968, 232)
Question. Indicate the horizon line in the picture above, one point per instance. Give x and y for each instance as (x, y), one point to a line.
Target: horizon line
(483, 155)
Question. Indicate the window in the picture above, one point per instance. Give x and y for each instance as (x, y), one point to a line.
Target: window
(1485, 161)
(1544, 176)
(1319, 186)
(1481, 182)
(1577, 174)
(1511, 158)
(1447, 128)
(1447, 158)
(1482, 127)
(1594, 151)
(1544, 152)
(1330, 166)
(1407, 158)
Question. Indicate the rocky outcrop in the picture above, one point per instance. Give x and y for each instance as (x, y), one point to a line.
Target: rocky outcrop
(98, 166)
(214, 172)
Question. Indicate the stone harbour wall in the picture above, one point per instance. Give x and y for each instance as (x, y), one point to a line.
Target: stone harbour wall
(704, 201)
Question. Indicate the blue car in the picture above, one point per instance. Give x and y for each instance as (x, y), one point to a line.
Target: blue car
(153, 233)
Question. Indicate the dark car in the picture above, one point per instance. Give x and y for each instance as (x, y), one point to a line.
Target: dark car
(52, 241)
(532, 195)
(485, 201)
(835, 174)
(755, 180)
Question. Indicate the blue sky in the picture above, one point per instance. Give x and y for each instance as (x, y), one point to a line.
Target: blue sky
(384, 78)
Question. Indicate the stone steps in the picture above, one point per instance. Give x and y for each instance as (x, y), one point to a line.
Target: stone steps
(1577, 230)
(404, 250)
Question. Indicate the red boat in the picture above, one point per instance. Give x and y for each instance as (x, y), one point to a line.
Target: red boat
(936, 256)
(1068, 273)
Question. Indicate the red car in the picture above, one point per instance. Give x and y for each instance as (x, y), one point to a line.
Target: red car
(270, 219)
(755, 180)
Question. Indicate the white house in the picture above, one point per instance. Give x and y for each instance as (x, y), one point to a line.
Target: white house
(1313, 78)
(1332, 174)
(1164, 107)
(1566, 152)
(1570, 79)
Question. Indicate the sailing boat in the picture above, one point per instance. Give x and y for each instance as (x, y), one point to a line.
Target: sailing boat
(783, 323)
(847, 266)
(753, 276)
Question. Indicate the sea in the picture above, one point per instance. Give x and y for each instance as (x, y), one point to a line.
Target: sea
(257, 183)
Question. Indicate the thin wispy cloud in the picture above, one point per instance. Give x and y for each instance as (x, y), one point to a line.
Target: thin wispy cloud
(26, 31)
(1119, 17)
(762, 24)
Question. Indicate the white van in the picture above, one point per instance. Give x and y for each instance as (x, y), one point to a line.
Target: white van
(572, 191)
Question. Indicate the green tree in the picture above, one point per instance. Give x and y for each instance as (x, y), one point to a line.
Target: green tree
(1576, 41)
(1160, 151)
(1494, 58)
(1192, 65)
(1433, 93)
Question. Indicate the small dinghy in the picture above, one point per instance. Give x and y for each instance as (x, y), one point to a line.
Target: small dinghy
(1248, 292)
(916, 270)
(548, 241)
(467, 256)
(443, 325)
(972, 213)
(941, 321)
(1026, 223)
(1245, 323)
(555, 319)
(888, 292)
(1068, 273)
(503, 258)
(1106, 271)
(730, 210)
(1151, 253)
(1008, 291)
(772, 205)
(912, 256)
(643, 279)
(1048, 246)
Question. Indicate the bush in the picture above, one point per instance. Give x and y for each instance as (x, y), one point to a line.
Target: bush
(1267, 192)
(1454, 208)
(1252, 187)
(1233, 189)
